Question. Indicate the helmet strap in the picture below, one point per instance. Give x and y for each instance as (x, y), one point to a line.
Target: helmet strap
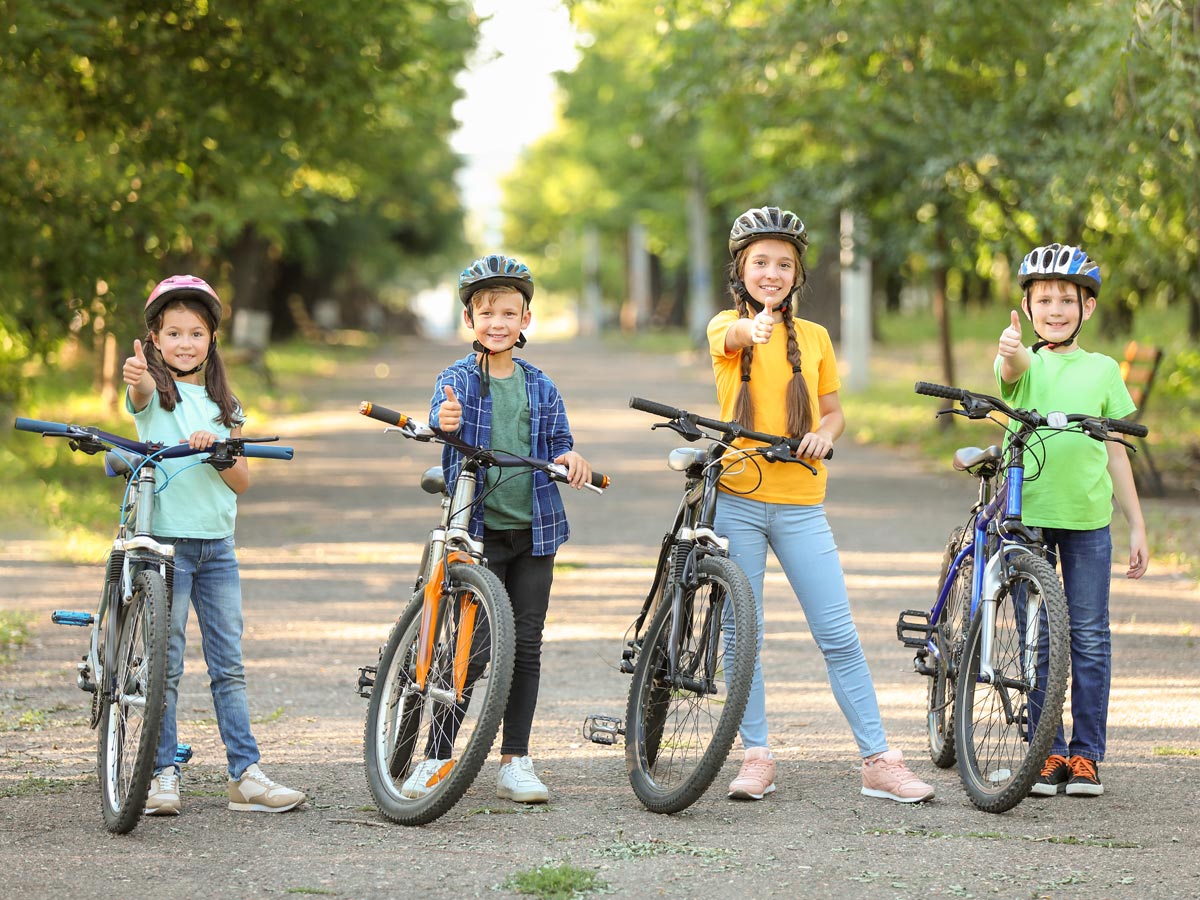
(739, 288)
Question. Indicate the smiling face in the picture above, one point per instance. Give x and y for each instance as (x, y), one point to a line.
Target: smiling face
(183, 339)
(769, 270)
(497, 317)
(1054, 309)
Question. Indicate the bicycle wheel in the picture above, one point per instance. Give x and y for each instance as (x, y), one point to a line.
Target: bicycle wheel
(1005, 724)
(939, 709)
(424, 743)
(680, 724)
(132, 702)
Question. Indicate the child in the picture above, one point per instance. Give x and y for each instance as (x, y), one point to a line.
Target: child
(776, 373)
(492, 399)
(1069, 495)
(179, 393)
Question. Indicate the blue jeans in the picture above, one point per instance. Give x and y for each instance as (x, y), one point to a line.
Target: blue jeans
(1084, 560)
(803, 543)
(206, 576)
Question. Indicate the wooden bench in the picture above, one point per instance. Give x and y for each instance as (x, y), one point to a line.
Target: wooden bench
(1138, 369)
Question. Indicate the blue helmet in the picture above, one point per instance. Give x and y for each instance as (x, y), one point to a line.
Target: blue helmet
(1060, 262)
(495, 270)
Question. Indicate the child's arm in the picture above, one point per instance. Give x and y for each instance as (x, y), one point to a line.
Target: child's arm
(744, 332)
(1125, 491)
(1014, 358)
(237, 476)
(135, 374)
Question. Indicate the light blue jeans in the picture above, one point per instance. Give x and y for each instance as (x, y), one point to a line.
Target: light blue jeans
(803, 543)
(206, 576)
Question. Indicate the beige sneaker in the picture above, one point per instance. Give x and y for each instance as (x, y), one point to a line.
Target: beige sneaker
(255, 792)
(888, 777)
(163, 797)
(756, 778)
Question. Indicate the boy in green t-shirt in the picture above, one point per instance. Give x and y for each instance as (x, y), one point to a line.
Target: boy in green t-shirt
(1069, 496)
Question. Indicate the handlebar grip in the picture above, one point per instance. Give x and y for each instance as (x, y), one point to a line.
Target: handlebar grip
(382, 414)
(940, 390)
(1131, 428)
(41, 427)
(266, 452)
(600, 481)
(655, 409)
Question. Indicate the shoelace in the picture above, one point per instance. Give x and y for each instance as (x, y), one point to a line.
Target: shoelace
(1082, 767)
(759, 769)
(168, 782)
(1052, 763)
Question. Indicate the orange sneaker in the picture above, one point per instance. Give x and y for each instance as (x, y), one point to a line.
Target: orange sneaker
(1054, 777)
(1085, 778)
(756, 778)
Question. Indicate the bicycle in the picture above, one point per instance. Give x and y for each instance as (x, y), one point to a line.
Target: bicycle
(125, 666)
(693, 663)
(996, 642)
(439, 689)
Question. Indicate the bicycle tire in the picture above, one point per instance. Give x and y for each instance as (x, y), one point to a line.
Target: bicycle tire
(697, 726)
(951, 630)
(132, 703)
(1005, 729)
(403, 721)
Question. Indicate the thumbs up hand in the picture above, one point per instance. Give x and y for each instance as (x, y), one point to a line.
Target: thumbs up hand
(135, 372)
(1010, 339)
(762, 325)
(450, 412)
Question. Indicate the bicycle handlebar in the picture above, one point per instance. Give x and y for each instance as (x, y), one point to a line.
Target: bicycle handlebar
(235, 446)
(502, 458)
(732, 429)
(979, 405)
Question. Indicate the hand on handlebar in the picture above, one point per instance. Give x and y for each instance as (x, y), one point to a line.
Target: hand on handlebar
(814, 445)
(579, 472)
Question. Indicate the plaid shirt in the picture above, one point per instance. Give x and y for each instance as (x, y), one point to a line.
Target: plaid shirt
(550, 436)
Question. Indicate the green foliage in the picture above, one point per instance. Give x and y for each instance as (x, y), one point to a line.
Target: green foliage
(555, 882)
(15, 628)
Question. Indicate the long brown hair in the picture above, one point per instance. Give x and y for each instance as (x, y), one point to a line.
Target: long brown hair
(799, 410)
(216, 381)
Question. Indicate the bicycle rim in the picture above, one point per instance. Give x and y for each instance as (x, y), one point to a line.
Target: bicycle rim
(678, 732)
(1005, 728)
(132, 706)
(408, 723)
(949, 639)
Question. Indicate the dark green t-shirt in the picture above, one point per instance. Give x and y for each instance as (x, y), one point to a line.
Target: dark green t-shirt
(509, 503)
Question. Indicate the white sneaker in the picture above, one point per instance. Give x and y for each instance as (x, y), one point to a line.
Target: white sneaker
(425, 777)
(519, 782)
(255, 792)
(163, 797)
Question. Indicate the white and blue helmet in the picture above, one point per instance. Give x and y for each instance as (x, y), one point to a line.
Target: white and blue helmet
(495, 270)
(1060, 262)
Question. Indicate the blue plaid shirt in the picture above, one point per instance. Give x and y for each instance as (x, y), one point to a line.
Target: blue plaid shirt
(550, 436)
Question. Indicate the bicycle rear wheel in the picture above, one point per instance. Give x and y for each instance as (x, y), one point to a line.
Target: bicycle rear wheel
(939, 708)
(425, 741)
(681, 723)
(1006, 723)
(132, 702)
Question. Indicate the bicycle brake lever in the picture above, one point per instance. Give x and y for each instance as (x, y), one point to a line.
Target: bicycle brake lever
(686, 429)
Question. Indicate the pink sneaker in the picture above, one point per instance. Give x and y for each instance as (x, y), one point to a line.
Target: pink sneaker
(888, 777)
(756, 778)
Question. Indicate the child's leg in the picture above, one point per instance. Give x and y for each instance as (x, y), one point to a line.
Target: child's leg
(217, 595)
(804, 544)
(528, 579)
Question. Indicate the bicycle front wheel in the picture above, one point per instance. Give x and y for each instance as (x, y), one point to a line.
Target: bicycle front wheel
(431, 722)
(682, 717)
(939, 709)
(132, 702)
(1006, 719)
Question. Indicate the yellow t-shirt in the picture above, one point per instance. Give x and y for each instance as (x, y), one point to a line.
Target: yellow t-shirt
(769, 376)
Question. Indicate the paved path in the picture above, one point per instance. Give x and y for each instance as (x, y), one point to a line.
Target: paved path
(328, 547)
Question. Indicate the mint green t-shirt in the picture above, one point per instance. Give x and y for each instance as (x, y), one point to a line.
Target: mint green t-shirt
(509, 503)
(196, 502)
(1072, 488)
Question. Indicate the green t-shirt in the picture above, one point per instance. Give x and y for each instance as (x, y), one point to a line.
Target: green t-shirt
(509, 503)
(1072, 488)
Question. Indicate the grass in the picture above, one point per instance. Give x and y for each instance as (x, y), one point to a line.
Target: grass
(555, 882)
(35, 785)
(15, 628)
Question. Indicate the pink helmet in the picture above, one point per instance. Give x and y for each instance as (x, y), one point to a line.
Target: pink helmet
(183, 287)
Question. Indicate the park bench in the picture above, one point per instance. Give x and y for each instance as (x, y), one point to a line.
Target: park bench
(1138, 369)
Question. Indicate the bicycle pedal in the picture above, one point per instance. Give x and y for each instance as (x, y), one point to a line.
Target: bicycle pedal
(69, 617)
(603, 729)
(183, 753)
(914, 631)
(83, 677)
(366, 680)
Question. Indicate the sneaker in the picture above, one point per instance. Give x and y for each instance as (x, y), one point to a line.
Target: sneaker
(1085, 778)
(887, 776)
(163, 796)
(255, 792)
(518, 781)
(424, 777)
(1053, 778)
(756, 777)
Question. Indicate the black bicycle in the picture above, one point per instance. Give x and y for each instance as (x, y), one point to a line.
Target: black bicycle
(693, 663)
(125, 667)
